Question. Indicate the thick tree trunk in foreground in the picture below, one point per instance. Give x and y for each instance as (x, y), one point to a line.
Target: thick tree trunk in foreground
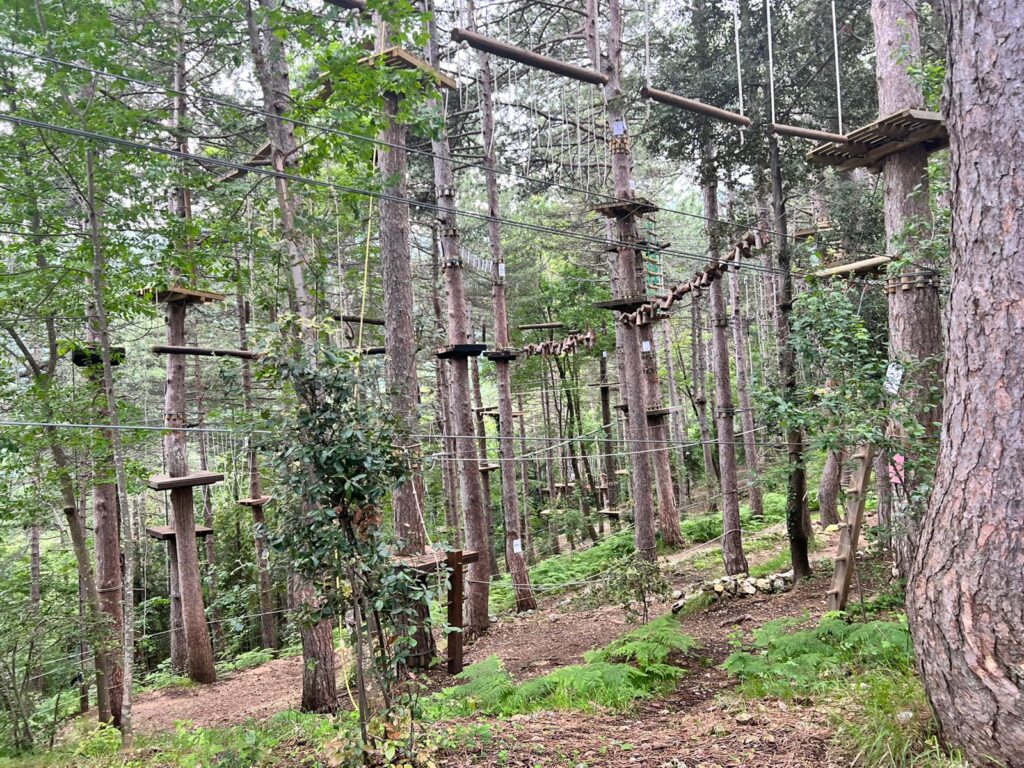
(964, 596)
(677, 418)
(700, 397)
(915, 321)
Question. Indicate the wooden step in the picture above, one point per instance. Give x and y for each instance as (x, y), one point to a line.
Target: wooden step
(166, 532)
(198, 477)
(488, 467)
(262, 501)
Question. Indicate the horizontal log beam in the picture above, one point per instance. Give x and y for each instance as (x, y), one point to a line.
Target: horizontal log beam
(807, 133)
(163, 349)
(352, 5)
(529, 58)
(357, 319)
(692, 105)
(540, 326)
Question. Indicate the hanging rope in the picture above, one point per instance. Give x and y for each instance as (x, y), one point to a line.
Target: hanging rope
(366, 281)
(835, 47)
(771, 58)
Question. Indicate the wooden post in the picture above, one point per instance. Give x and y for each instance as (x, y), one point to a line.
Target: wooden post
(455, 592)
(608, 445)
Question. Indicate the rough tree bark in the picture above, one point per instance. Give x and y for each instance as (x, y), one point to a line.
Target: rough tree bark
(608, 427)
(478, 574)
(750, 453)
(964, 597)
(732, 537)
(700, 397)
(319, 680)
(828, 488)
(482, 461)
(677, 418)
(915, 322)
(514, 558)
(626, 283)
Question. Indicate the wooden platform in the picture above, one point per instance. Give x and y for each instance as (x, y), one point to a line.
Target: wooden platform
(262, 501)
(198, 477)
(86, 354)
(506, 353)
(621, 209)
(399, 58)
(616, 513)
(187, 295)
(626, 304)
(166, 532)
(488, 467)
(166, 349)
(453, 351)
(431, 561)
(862, 267)
(657, 413)
(867, 146)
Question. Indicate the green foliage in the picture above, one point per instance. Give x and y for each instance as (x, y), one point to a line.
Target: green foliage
(102, 741)
(635, 666)
(787, 662)
(635, 583)
(247, 660)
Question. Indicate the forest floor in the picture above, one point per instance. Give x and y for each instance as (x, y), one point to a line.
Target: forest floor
(698, 725)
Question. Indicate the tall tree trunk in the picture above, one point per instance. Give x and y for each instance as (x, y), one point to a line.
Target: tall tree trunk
(514, 559)
(915, 321)
(268, 626)
(750, 453)
(627, 278)
(483, 461)
(677, 418)
(964, 597)
(828, 487)
(732, 537)
(549, 464)
(459, 332)
(525, 469)
(319, 680)
(796, 491)
(700, 397)
(608, 428)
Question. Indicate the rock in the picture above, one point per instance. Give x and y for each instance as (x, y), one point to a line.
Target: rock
(730, 587)
(763, 585)
(832, 528)
(718, 587)
(744, 718)
(747, 587)
(778, 585)
(554, 617)
(676, 594)
(904, 717)
(493, 619)
(732, 621)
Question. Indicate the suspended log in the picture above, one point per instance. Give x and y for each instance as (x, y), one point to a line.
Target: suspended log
(692, 105)
(807, 133)
(359, 320)
(531, 59)
(541, 326)
(166, 349)
(351, 5)
(862, 267)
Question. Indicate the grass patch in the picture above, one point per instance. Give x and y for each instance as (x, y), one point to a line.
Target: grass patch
(863, 672)
(635, 666)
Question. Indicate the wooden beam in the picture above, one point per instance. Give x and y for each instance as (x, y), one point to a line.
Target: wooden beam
(357, 319)
(807, 133)
(541, 326)
(854, 268)
(531, 59)
(165, 349)
(692, 105)
(351, 5)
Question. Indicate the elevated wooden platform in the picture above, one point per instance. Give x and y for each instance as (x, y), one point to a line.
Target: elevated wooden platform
(166, 349)
(87, 354)
(259, 158)
(655, 414)
(192, 479)
(262, 501)
(502, 354)
(626, 304)
(622, 209)
(399, 58)
(614, 513)
(186, 295)
(167, 533)
(431, 561)
(867, 146)
(489, 467)
(453, 351)
(373, 351)
(862, 267)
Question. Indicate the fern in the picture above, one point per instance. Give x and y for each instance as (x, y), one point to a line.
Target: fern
(646, 646)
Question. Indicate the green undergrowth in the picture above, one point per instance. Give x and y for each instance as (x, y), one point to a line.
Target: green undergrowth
(637, 665)
(862, 671)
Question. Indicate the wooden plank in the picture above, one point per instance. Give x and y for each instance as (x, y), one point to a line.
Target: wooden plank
(864, 266)
(849, 535)
(197, 477)
(530, 58)
(262, 501)
(625, 304)
(399, 58)
(167, 349)
(540, 326)
(807, 133)
(187, 295)
(460, 350)
(621, 209)
(357, 320)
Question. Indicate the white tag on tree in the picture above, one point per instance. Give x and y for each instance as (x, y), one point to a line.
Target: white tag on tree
(501, 269)
(619, 128)
(645, 346)
(893, 378)
(517, 546)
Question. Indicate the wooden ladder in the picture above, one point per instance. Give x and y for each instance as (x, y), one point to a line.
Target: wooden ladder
(849, 532)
